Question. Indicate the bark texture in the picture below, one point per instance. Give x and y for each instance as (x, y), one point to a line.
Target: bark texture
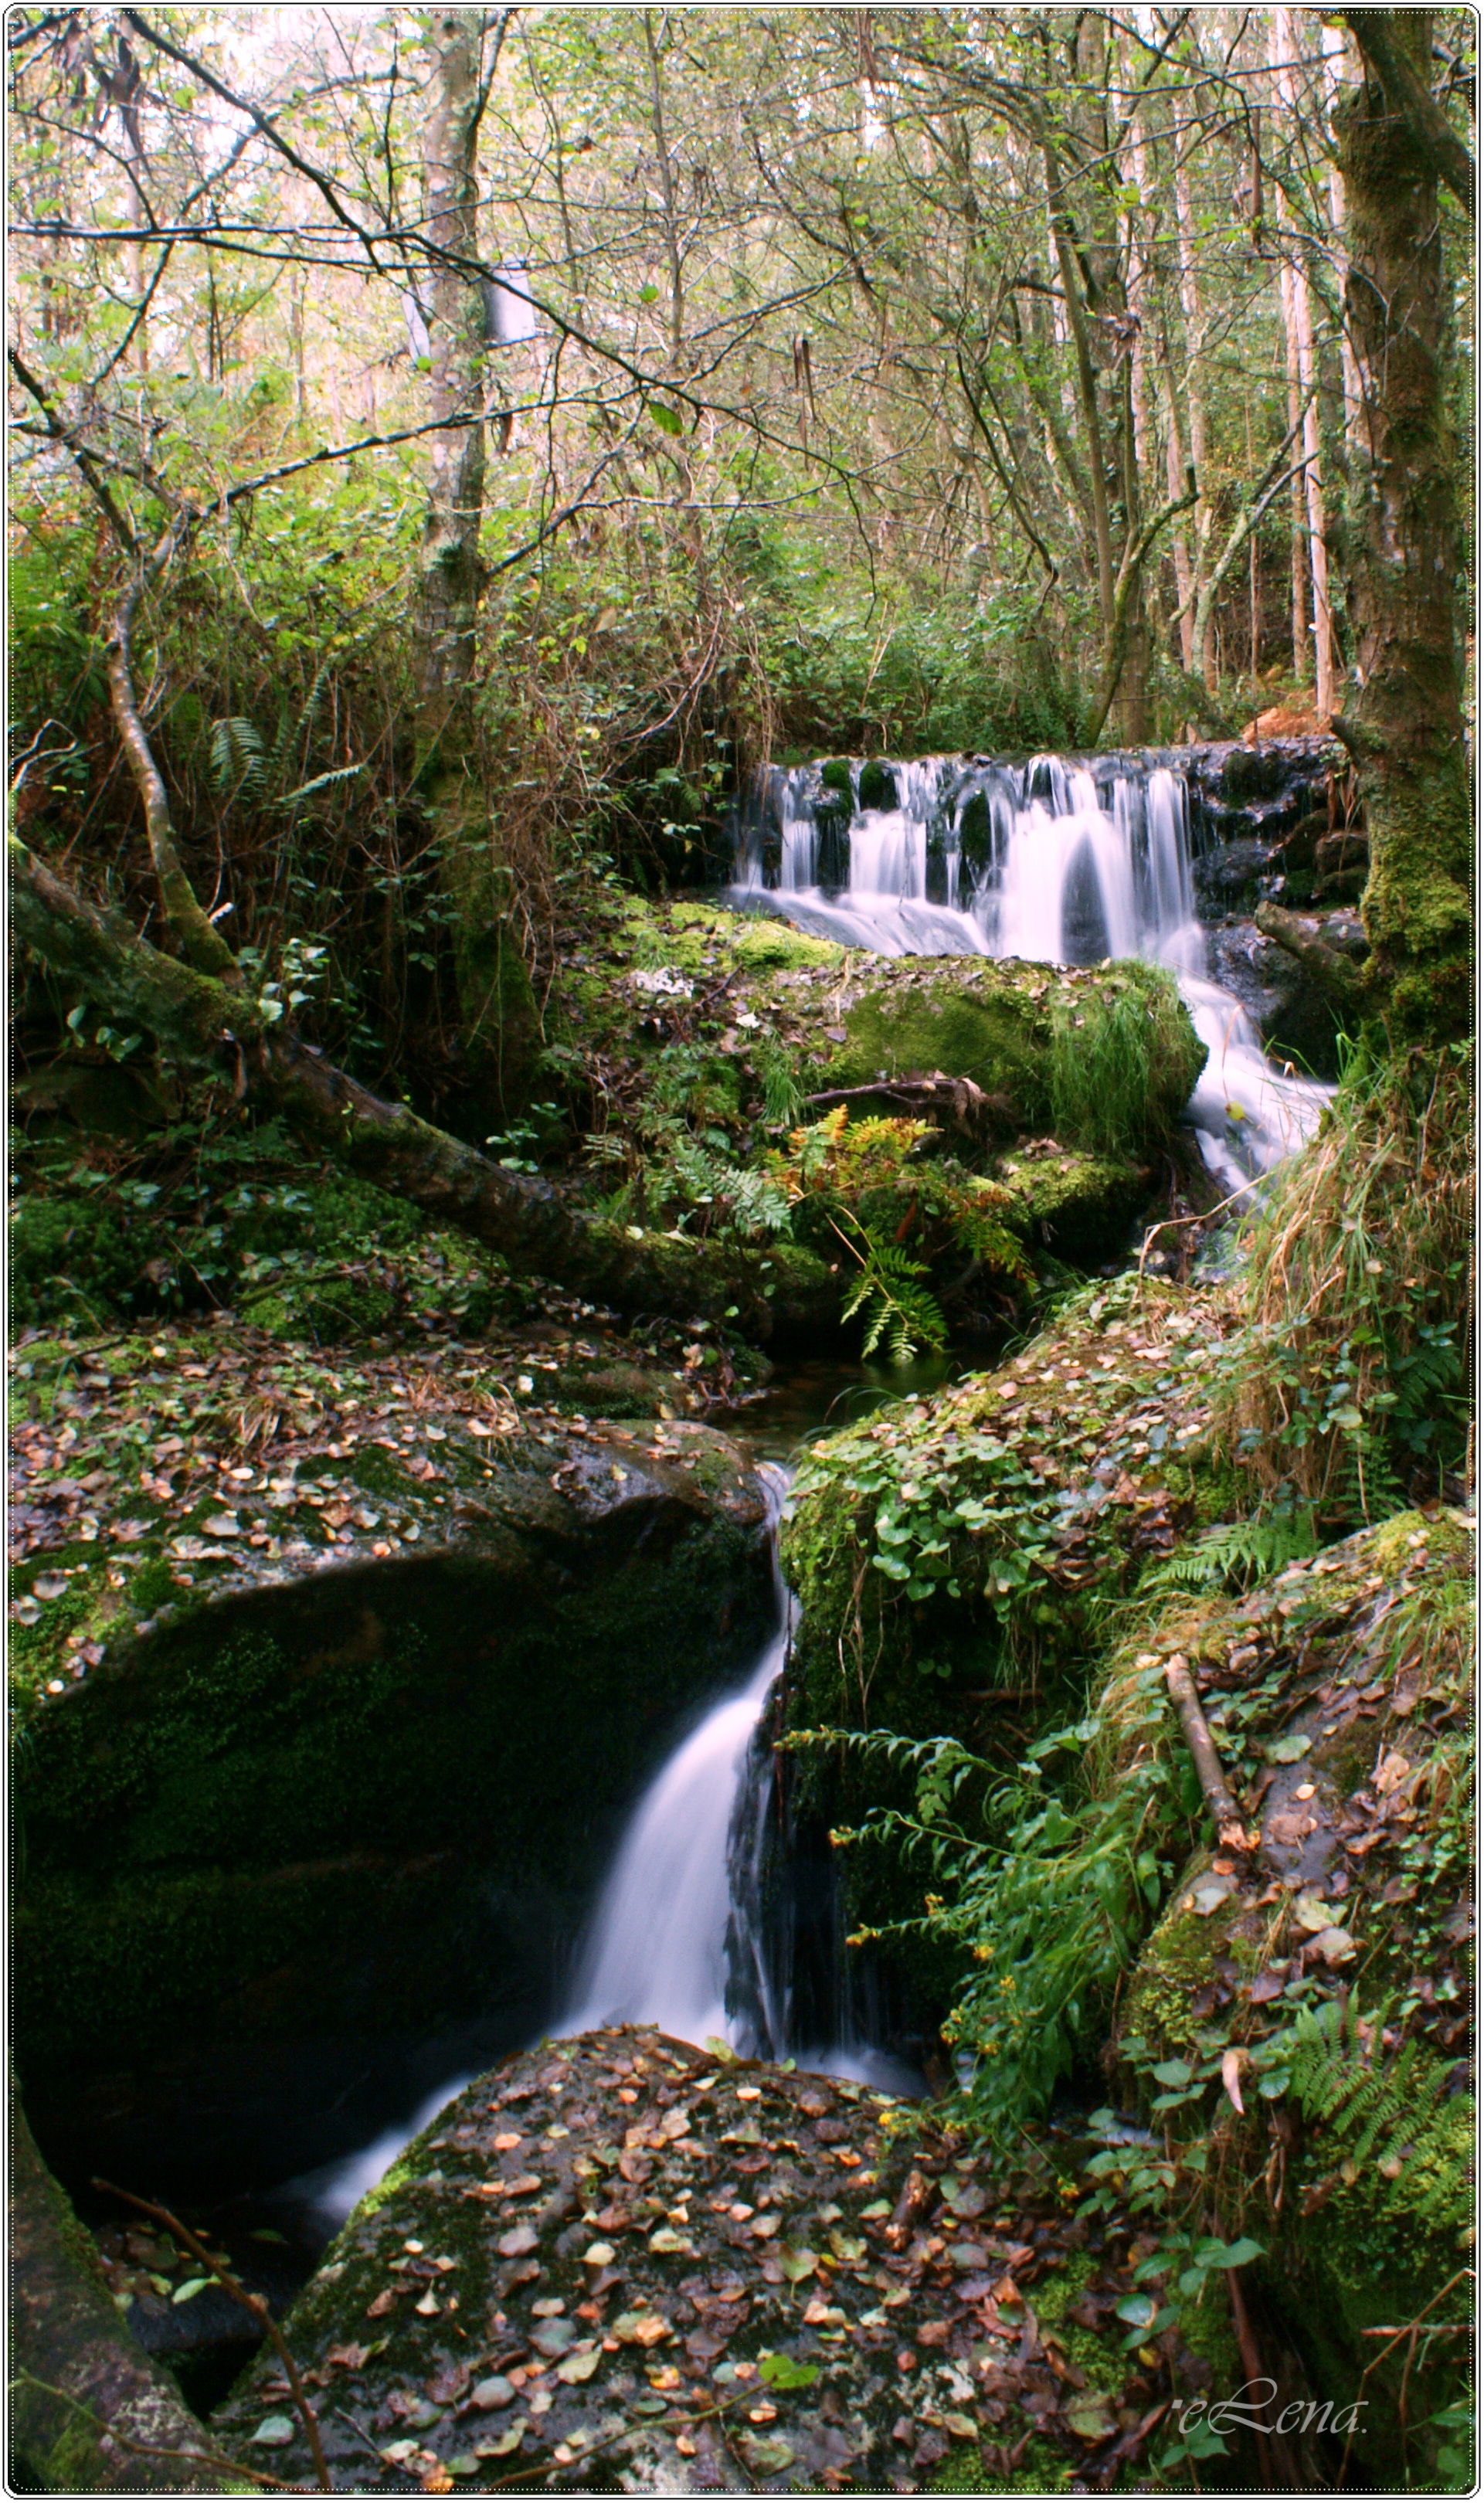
(1405, 731)
(206, 1023)
(499, 1031)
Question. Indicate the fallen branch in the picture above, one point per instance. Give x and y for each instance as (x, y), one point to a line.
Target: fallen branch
(1224, 1808)
(933, 1091)
(251, 2303)
(1332, 971)
(201, 1020)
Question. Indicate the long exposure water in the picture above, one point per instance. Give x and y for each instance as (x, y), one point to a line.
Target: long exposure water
(1045, 861)
(1038, 862)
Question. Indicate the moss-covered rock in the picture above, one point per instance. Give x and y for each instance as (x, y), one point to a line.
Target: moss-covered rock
(1335, 1964)
(947, 1544)
(620, 2259)
(275, 1780)
(88, 2413)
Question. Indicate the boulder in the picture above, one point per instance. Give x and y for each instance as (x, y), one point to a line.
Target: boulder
(1326, 1973)
(622, 2263)
(317, 1765)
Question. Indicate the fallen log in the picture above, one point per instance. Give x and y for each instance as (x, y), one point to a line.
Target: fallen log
(215, 1024)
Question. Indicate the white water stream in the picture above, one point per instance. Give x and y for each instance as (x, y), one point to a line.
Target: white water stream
(1055, 870)
(1059, 873)
(674, 1940)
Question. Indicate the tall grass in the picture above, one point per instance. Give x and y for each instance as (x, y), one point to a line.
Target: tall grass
(1120, 1061)
(1349, 1384)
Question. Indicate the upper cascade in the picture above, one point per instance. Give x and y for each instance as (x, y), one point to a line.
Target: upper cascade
(1058, 860)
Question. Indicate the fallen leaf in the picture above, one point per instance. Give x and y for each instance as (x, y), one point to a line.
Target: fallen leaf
(1310, 1913)
(385, 2302)
(1089, 2416)
(1232, 2079)
(520, 2239)
(582, 2367)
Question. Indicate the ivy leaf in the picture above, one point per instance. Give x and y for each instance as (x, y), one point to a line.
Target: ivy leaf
(786, 2373)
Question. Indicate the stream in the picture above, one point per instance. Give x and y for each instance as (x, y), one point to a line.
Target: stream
(1055, 861)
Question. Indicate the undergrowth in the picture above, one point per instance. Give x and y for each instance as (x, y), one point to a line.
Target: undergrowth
(1348, 1386)
(1108, 1047)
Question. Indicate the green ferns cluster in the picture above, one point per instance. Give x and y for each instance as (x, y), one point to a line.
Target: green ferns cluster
(1401, 2122)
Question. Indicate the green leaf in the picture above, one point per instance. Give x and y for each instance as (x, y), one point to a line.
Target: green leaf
(665, 418)
(785, 2372)
(188, 2288)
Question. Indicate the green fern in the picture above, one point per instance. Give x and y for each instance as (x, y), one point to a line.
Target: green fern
(238, 759)
(896, 1307)
(1397, 2120)
(1232, 1554)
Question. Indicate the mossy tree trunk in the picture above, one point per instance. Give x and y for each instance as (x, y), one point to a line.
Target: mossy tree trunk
(1405, 730)
(498, 1026)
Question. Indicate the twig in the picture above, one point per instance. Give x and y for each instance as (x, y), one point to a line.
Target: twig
(1409, 2330)
(253, 2303)
(1252, 2366)
(1208, 1763)
(1200, 1217)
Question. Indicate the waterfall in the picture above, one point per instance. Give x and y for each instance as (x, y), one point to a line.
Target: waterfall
(679, 1937)
(1059, 860)
(674, 1940)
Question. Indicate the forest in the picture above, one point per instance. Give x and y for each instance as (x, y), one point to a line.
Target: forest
(741, 1248)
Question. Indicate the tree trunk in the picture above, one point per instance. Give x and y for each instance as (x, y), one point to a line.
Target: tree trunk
(1204, 651)
(205, 1023)
(499, 1029)
(1301, 304)
(1406, 730)
(1297, 546)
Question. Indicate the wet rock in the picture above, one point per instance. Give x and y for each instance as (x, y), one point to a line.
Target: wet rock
(305, 1800)
(88, 2412)
(624, 2262)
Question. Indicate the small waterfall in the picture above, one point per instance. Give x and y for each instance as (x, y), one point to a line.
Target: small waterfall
(676, 1939)
(680, 1937)
(1058, 861)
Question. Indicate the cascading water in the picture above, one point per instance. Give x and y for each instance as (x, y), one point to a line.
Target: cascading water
(678, 1937)
(1053, 861)
(674, 1940)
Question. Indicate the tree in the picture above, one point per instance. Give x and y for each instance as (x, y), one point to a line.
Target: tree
(1405, 730)
(500, 1034)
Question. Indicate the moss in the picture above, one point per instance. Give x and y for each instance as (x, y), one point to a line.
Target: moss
(258, 1808)
(986, 1026)
(877, 785)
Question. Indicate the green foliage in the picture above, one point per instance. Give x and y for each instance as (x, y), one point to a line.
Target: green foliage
(1232, 1554)
(205, 1215)
(889, 1292)
(1041, 1892)
(1398, 2119)
(1113, 1051)
(1348, 1383)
